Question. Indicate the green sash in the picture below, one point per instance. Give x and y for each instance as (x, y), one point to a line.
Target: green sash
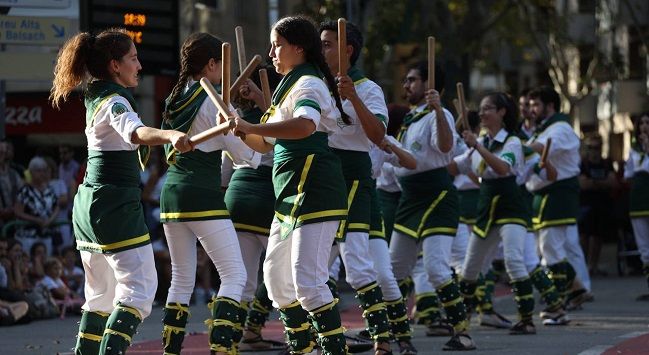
(409, 119)
(557, 117)
(97, 93)
(107, 214)
(428, 205)
(557, 204)
(499, 203)
(639, 196)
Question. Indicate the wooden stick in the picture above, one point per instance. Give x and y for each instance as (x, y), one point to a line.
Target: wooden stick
(342, 46)
(265, 88)
(460, 96)
(245, 74)
(222, 128)
(224, 109)
(458, 121)
(225, 75)
(545, 153)
(241, 48)
(431, 63)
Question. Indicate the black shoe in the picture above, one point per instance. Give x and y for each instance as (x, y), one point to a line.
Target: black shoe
(365, 335)
(524, 327)
(406, 348)
(439, 329)
(358, 345)
(459, 342)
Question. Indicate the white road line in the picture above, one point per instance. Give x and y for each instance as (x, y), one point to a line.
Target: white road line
(595, 350)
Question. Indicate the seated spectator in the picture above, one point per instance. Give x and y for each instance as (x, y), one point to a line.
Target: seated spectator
(53, 282)
(36, 204)
(12, 312)
(72, 273)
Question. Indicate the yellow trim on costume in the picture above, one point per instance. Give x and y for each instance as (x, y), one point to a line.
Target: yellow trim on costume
(555, 222)
(450, 281)
(374, 308)
(452, 303)
(143, 161)
(339, 330)
(100, 313)
(92, 337)
(197, 214)
(313, 215)
(492, 212)
(429, 211)
(117, 245)
(424, 294)
(435, 230)
(350, 199)
(367, 288)
(302, 327)
(130, 310)
(539, 216)
(520, 221)
(115, 332)
(252, 228)
(325, 307)
(470, 221)
(363, 226)
(399, 320)
(180, 308)
(525, 297)
(405, 230)
(639, 214)
(292, 304)
(377, 234)
(300, 185)
(360, 81)
(198, 91)
(395, 302)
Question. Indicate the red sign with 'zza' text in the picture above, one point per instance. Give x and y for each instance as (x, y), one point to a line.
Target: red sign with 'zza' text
(32, 113)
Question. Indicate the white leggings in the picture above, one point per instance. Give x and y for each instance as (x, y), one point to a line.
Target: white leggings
(381, 255)
(437, 254)
(297, 267)
(127, 277)
(480, 249)
(641, 232)
(220, 242)
(355, 252)
(253, 247)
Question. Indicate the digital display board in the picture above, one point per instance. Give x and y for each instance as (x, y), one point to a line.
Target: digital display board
(152, 24)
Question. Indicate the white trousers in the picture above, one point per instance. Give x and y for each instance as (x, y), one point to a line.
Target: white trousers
(220, 242)
(126, 277)
(480, 250)
(253, 246)
(420, 278)
(575, 255)
(641, 232)
(381, 255)
(298, 266)
(355, 252)
(460, 244)
(437, 253)
(552, 242)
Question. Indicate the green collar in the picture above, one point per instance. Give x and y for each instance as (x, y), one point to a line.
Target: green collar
(356, 75)
(557, 117)
(289, 80)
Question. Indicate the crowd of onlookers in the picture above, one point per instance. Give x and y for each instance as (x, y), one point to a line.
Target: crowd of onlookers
(40, 269)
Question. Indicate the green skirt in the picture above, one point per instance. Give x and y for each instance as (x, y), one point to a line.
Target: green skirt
(428, 206)
(251, 199)
(499, 203)
(639, 196)
(388, 202)
(377, 231)
(107, 215)
(556, 204)
(308, 190)
(468, 205)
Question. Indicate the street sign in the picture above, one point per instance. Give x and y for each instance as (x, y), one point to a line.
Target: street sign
(153, 26)
(34, 30)
(32, 113)
(47, 4)
(27, 66)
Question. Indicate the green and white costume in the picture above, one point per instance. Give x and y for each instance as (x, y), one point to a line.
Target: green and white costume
(637, 169)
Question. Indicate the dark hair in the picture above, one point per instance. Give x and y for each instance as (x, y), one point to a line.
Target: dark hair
(422, 67)
(525, 92)
(396, 113)
(354, 37)
(300, 31)
(636, 124)
(32, 250)
(502, 100)
(474, 119)
(87, 56)
(196, 52)
(547, 95)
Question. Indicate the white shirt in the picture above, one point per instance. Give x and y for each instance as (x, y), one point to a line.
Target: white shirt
(633, 164)
(563, 154)
(312, 88)
(421, 141)
(110, 132)
(511, 152)
(383, 165)
(353, 137)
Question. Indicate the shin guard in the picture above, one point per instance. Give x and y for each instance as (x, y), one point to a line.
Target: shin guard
(374, 311)
(120, 328)
(326, 321)
(449, 295)
(226, 321)
(428, 308)
(398, 318)
(546, 287)
(297, 328)
(91, 330)
(524, 297)
(173, 327)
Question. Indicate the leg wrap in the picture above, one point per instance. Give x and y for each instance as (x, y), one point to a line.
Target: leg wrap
(559, 276)
(405, 286)
(571, 274)
(546, 288)
(91, 330)
(298, 328)
(260, 308)
(524, 297)
(241, 323)
(483, 295)
(326, 321)
(225, 322)
(173, 327)
(449, 295)
(428, 308)
(120, 327)
(333, 287)
(398, 318)
(468, 290)
(374, 311)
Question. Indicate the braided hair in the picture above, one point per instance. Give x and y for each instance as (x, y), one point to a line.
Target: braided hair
(196, 52)
(300, 31)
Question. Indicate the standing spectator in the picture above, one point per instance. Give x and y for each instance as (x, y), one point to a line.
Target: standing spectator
(9, 158)
(36, 203)
(10, 183)
(63, 237)
(597, 181)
